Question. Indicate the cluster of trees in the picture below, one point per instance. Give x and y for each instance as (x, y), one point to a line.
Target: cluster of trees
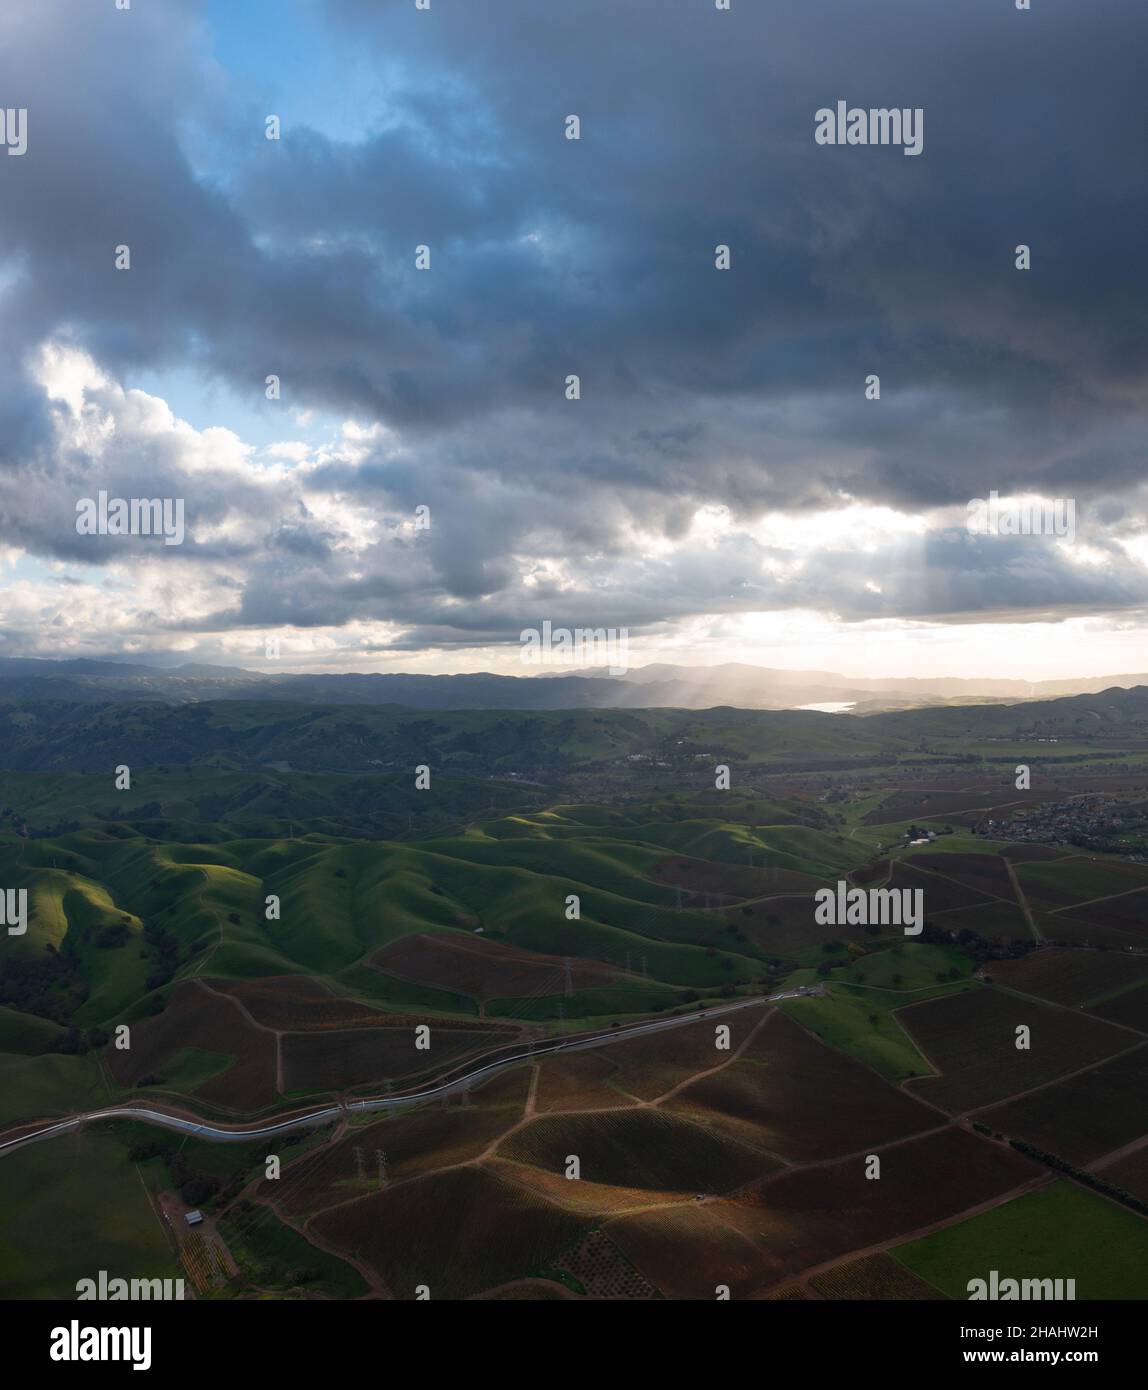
(196, 1185)
(112, 934)
(48, 985)
(1081, 1175)
(1001, 948)
(163, 946)
(76, 1040)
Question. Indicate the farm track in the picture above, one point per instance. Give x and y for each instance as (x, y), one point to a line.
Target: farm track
(1022, 901)
(302, 1119)
(530, 1113)
(1091, 902)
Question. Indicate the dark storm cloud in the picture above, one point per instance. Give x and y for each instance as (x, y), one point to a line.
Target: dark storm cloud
(743, 389)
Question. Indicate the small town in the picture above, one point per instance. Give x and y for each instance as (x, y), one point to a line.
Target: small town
(1087, 821)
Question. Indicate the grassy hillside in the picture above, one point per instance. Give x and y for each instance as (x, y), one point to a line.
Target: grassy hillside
(46, 735)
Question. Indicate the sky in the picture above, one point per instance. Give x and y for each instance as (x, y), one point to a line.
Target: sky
(726, 487)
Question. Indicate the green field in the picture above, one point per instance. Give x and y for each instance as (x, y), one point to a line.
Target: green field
(1062, 1232)
(48, 1085)
(192, 1067)
(70, 1208)
(274, 1255)
(857, 1015)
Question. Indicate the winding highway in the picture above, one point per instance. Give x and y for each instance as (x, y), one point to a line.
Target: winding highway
(324, 1114)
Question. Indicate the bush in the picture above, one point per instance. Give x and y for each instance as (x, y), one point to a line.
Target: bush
(110, 936)
(198, 1190)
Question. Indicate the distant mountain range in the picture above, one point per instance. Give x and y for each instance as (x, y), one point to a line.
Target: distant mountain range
(281, 737)
(657, 686)
(762, 687)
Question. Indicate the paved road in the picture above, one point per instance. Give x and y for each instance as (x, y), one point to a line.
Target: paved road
(237, 1134)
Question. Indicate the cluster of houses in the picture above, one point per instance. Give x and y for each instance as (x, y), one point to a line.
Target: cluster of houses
(1080, 820)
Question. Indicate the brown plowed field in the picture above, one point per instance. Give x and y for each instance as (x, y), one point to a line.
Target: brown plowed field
(1128, 913)
(1084, 1117)
(787, 926)
(702, 876)
(297, 1003)
(650, 1066)
(1069, 977)
(638, 1148)
(965, 807)
(971, 1039)
(471, 965)
(335, 1060)
(986, 873)
(797, 1098)
(1076, 930)
(459, 1232)
(197, 1017)
(1131, 1173)
(811, 1215)
(987, 919)
(1129, 1008)
(939, 893)
(415, 1142)
(577, 1081)
(875, 1277)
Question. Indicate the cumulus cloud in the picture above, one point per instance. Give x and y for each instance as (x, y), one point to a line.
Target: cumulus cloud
(741, 392)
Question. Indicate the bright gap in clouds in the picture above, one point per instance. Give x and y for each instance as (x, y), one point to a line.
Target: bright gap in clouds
(1075, 647)
(63, 607)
